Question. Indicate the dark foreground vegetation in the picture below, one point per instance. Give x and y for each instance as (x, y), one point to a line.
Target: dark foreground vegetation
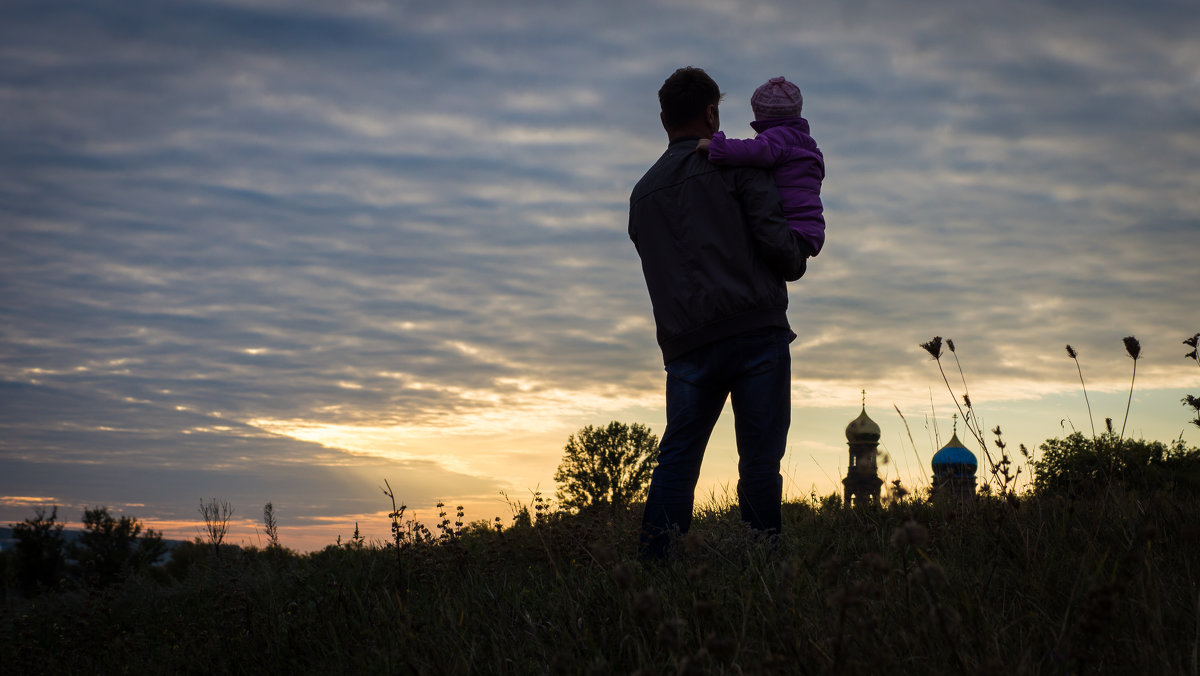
(1091, 569)
(1080, 581)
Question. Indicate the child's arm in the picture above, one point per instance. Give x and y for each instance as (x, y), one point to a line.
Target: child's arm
(754, 152)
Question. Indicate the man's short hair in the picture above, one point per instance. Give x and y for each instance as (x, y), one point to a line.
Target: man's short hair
(685, 96)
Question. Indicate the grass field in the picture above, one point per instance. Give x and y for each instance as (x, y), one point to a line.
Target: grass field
(1014, 585)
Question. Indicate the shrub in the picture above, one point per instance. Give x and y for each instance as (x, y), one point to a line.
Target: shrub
(1077, 465)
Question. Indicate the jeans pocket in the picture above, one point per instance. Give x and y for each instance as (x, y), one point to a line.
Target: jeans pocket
(761, 351)
(688, 368)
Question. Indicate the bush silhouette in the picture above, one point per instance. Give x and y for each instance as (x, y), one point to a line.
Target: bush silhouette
(1077, 465)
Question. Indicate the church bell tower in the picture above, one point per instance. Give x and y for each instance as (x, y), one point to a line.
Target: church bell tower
(862, 480)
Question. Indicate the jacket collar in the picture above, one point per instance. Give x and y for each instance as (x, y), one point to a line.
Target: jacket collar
(689, 140)
(762, 125)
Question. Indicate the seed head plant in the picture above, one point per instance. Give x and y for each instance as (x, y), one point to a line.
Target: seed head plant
(449, 532)
(358, 541)
(1134, 349)
(395, 516)
(1004, 469)
(1194, 403)
(933, 347)
(271, 526)
(1074, 355)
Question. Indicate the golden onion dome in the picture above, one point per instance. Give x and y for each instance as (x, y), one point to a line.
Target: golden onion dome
(862, 428)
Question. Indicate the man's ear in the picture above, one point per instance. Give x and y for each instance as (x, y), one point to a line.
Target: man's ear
(712, 117)
(663, 119)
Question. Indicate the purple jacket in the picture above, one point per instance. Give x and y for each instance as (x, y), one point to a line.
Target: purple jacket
(796, 163)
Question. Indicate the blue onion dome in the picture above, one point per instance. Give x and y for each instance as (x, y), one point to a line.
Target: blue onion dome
(862, 428)
(954, 453)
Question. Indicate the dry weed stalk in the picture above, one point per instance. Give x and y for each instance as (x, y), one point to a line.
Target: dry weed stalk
(396, 515)
(934, 348)
(216, 515)
(271, 526)
(1134, 349)
(1091, 421)
(908, 431)
(1008, 477)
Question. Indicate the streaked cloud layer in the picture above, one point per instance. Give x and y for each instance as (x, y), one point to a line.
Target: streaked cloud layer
(281, 250)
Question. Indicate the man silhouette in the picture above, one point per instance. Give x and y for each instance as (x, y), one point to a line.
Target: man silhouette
(716, 253)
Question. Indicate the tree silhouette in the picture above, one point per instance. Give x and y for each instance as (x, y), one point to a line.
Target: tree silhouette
(606, 466)
(40, 551)
(111, 549)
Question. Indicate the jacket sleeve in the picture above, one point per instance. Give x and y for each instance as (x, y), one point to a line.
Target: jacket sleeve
(783, 249)
(754, 152)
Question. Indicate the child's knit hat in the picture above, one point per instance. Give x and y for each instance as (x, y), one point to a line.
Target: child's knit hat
(776, 98)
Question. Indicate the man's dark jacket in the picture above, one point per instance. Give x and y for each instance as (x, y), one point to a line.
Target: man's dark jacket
(715, 249)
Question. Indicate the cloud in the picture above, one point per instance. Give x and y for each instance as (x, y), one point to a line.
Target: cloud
(96, 450)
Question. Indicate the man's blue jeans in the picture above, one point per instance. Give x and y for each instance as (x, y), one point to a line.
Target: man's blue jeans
(753, 369)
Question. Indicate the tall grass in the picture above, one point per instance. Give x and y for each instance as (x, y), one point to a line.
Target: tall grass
(1012, 585)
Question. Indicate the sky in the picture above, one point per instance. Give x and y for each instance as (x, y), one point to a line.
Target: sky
(268, 251)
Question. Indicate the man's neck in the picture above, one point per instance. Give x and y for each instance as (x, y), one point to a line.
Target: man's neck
(696, 129)
(696, 132)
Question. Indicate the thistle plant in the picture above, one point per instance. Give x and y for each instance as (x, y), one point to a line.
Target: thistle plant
(1134, 349)
(1194, 355)
(1075, 355)
(934, 348)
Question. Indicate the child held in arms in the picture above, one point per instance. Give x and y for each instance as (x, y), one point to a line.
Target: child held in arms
(784, 146)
